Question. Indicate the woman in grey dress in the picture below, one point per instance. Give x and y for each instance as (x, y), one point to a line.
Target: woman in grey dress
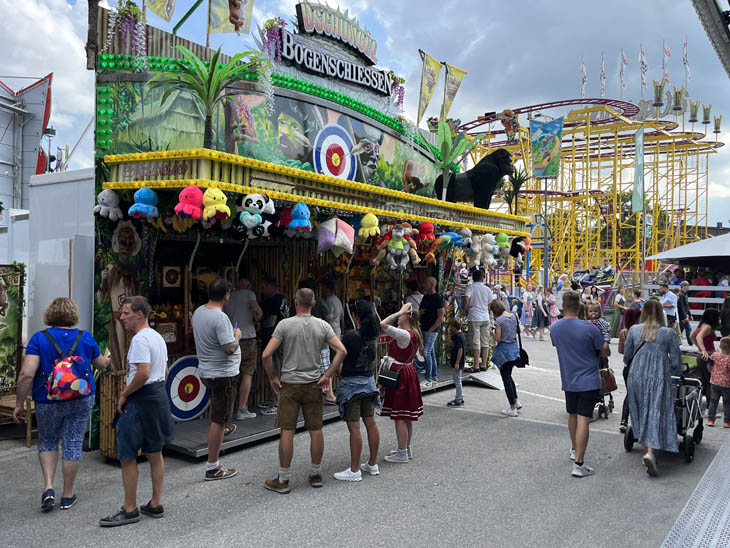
(653, 351)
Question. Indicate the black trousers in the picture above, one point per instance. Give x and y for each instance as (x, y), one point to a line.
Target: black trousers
(509, 384)
(705, 378)
(625, 409)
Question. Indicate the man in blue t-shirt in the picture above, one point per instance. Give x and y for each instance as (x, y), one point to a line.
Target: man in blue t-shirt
(579, 343)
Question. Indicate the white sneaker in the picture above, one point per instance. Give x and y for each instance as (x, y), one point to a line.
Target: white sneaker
(348, 475)
(426, 384)
(582, 471)
(373, 470)
(572, 454)
(510, 412)
(397, 457)
(435, 383)
(273, 410)
(650, 462)
(243, 414)
(518, 405)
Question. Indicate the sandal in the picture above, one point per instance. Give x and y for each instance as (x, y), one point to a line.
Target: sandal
(230, 429)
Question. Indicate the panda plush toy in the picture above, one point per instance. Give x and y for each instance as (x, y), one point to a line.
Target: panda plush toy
(254, 206)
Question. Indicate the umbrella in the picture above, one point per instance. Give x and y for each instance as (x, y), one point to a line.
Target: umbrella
(712, 252)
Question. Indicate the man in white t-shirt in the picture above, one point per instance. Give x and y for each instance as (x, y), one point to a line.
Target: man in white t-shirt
(143, 419)
(219, 360)
(669, 303)
(243, 310)
(476, 305)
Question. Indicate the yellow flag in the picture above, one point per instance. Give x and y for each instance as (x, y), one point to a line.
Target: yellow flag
(452, 81)
(163, 8)
(429, 77)
(230, 16)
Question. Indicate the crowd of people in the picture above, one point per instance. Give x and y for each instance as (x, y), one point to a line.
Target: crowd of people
(304, 349)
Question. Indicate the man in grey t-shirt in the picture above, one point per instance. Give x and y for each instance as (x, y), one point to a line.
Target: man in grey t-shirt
(219, 359)
(302, 383)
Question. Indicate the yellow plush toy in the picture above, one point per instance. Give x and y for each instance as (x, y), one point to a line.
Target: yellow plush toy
(369, 226)
(214, 204)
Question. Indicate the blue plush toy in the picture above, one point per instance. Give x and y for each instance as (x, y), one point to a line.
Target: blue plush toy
(456, 239)
(145, 202)
(300, 218)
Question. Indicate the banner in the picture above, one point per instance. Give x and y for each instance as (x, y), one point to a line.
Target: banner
(452, 80)
(685, 61)
(666, 54)
(163, 8)
(429, 77)
(643, 66)
(603, 77)
(583, 77)
(545, 140)
(637, 196)
(11, 313)
(230, 16)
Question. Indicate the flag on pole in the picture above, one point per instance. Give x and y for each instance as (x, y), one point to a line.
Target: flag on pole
(624, 64)
(583, 77)
(452, 80)
(643, 66)
(430, 73)
(228, 16)
(665, 56)
(603, 76)
(685, 61)
(637, 196)
(163, 8)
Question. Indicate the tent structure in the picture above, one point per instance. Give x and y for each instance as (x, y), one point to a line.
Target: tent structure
(712, 252)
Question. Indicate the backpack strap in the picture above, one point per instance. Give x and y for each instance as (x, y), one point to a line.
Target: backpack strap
(58, 348)
(81, 334)
(53, 342)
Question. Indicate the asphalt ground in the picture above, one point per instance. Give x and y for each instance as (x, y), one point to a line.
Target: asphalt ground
(477, 478)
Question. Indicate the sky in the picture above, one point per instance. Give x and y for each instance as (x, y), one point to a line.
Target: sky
(515, 53)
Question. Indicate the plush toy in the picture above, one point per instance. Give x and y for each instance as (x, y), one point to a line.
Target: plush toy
(369, 226)
(190, 204)
(228, 221)
(502, 240)
(300, 218)
(454, 238)
(254, 205)
(443, 241)
(410, 235)
(398, 249)
(108, 205)
(145, 202)
(475, 257)
(466, 237)
(336, 235)
(214, 202)
(425, 235)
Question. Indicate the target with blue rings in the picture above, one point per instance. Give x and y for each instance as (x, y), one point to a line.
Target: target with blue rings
(188, 396)
(332, 154)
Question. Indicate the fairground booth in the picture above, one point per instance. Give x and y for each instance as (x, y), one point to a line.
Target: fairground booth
(293, 163)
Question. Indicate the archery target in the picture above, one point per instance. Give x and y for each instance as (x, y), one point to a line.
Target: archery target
(333, 153)
(188, 396)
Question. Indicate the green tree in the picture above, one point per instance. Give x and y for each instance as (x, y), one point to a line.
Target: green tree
(206, 82)
(516, 181)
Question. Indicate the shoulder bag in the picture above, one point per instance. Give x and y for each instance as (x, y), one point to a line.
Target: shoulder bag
(387, 377)
(523, 360)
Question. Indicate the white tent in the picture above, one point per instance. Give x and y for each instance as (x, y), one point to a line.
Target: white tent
(712, 252)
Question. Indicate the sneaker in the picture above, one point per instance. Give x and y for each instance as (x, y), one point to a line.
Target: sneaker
(243, 414)
(153, 511)
(582, 471)
(572, 454)
(395, 452)
(426, 384)
(316, 481)
(120, 518)
(518, 405)
(397, 456)
(230, 429)
(373, 470)
(48, 500)
(273, 410)
(510, 412)
(710, 422)
(650, 462)
(68, 502)
(220, 473)
(348, 475)
(456, 403)
(281, 487)
(265, 405)
(624, 426)
(434, 383)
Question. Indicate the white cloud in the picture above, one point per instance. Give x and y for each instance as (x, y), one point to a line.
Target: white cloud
(719, 190)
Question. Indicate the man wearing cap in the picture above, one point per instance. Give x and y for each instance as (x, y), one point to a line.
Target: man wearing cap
(684, 311)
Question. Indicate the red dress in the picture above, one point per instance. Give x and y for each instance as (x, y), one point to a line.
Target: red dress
(404, 402)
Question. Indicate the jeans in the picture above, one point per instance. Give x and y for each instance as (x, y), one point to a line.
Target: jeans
(505, 370)
(687, 330)
(456, 377)
(429, 338)
(718, 391)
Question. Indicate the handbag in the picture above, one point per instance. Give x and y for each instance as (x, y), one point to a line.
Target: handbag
(608, 380)
(387, 377)
(524, 359)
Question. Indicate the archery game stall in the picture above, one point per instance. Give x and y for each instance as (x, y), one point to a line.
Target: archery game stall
(307, 171)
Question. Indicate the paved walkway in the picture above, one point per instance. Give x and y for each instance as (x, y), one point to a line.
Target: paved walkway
(477, 478)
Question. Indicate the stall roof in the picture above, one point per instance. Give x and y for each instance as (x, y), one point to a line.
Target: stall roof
(712, 252)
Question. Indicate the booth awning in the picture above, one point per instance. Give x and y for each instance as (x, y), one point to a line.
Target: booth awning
(712, 252)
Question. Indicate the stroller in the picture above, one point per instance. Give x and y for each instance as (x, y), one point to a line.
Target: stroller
(604, 407)
(688, 415)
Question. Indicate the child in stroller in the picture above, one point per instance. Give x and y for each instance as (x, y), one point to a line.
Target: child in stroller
(595, 316)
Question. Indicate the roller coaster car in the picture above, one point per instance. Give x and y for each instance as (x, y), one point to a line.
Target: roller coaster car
(586, 278)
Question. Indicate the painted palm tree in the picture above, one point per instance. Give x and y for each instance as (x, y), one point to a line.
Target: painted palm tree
(516, 181)
(206, 82)
(452, 150)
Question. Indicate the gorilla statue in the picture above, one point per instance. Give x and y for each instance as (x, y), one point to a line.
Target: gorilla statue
(477, 185)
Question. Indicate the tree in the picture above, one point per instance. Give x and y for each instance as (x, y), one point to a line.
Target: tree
(206, 83)
(516, 180)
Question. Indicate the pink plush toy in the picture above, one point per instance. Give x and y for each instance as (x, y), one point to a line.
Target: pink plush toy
(191, 203)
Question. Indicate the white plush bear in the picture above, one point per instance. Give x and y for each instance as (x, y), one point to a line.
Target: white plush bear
(489, 242)
(475, 259)
(108, 205)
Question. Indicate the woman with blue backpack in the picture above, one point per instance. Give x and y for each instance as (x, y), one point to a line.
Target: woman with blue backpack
(57, 372)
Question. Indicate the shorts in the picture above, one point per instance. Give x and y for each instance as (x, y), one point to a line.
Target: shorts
(249, 356)
(292, 398)
(582, 403)
(360, 406)
(131, 437)
(65, 422)
(479, 334)
(223, 397)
